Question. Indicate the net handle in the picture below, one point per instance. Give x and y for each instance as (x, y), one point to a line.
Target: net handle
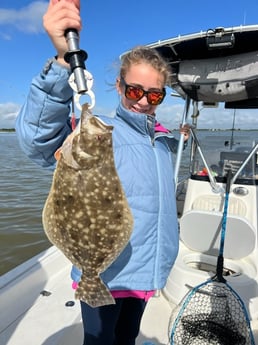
(220, 261)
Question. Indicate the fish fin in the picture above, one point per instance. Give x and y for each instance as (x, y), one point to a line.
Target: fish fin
(57, 154)
(94, 292)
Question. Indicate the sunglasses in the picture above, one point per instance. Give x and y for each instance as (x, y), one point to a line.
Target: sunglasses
(135, 93)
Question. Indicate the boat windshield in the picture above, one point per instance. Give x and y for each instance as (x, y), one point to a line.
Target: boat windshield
(218, 151)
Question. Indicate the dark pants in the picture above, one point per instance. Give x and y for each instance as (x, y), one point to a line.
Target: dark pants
(115, 324)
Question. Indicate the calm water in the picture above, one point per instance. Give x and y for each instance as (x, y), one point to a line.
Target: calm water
(24, 189)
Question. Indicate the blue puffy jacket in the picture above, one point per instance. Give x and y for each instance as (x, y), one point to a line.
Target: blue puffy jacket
(144, 164)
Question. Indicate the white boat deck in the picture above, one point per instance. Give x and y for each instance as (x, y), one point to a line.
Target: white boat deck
(28, 317)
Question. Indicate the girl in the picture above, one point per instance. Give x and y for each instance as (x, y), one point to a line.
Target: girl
(143, 158)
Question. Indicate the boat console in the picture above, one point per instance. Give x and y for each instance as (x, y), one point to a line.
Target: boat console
(217, 67)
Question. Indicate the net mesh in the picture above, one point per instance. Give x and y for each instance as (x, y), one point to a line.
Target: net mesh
(212, 313)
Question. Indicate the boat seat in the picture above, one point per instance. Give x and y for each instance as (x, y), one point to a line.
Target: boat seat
(201, 231)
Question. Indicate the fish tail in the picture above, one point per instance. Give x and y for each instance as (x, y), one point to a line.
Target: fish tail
(94, 292)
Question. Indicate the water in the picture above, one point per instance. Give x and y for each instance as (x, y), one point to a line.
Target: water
(24, 189)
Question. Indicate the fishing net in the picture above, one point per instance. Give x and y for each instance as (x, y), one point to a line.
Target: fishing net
(212, 313)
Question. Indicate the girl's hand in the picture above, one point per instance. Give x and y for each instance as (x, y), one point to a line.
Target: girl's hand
(185, 130)
(60, 16)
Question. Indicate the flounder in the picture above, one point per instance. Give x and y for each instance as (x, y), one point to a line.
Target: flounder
(86, 214)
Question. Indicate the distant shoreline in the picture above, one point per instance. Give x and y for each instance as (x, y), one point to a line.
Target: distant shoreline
(7, 130)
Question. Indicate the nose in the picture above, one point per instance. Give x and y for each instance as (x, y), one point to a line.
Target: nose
(143, 100)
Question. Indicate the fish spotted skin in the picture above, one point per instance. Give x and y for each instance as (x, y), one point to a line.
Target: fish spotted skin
(86, 214)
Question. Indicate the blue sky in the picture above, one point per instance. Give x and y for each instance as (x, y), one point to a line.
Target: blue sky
(109, 28)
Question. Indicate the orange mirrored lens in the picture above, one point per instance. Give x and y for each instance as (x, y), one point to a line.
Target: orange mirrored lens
(134, 93)
(155, 97)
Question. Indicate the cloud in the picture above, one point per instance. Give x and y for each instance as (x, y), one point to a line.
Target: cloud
(26, 19)
(5, 36)
(8, 114)
(171, 117)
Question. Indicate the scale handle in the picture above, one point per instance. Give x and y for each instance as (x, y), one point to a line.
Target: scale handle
(76, 57)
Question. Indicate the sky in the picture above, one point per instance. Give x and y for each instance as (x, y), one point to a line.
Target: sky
(109, 29)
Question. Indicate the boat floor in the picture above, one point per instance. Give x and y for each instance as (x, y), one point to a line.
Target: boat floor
(46, 320)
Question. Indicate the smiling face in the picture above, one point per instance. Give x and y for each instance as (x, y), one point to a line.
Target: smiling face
(145, 76)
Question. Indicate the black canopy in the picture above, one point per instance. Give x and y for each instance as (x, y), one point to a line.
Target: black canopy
(222, 50)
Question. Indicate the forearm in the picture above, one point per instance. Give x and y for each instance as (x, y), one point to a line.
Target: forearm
(43, 122)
